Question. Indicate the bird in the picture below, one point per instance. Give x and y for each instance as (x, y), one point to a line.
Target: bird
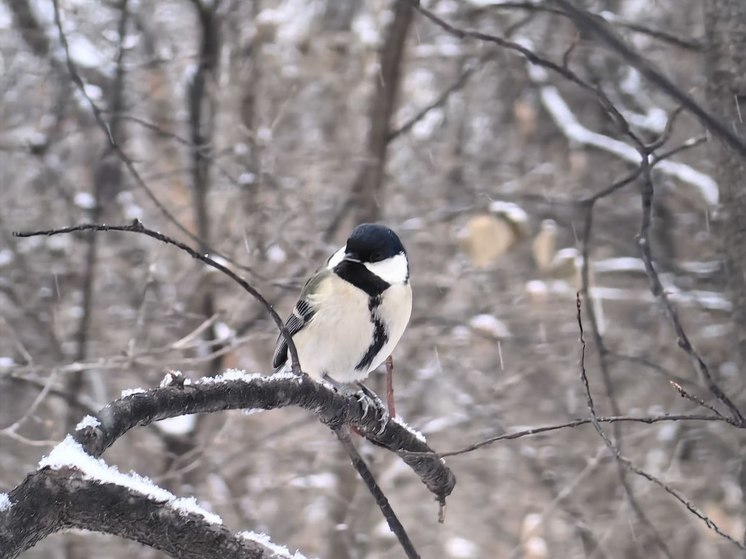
(352, 312)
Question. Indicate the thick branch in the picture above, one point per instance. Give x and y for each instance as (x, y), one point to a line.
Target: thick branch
(52, 500)
(115, 509)
(260, 392)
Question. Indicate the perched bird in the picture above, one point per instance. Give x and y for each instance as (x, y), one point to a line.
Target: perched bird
(351, 313)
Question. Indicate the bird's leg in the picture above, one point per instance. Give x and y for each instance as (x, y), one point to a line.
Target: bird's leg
(369, 398)
(390, 385)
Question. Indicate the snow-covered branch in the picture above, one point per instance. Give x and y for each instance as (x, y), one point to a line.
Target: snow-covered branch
(74, 473)
(54, 499)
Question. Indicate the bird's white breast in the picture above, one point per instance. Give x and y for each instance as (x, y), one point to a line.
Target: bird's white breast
(341, 331)
(395, 310)
(338, 334)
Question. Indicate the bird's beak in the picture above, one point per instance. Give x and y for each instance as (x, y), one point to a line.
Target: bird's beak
(352, 257)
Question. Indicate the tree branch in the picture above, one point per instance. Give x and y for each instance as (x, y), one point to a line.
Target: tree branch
(234, 390)
(588, 21)
(138, 227)
(51, 500)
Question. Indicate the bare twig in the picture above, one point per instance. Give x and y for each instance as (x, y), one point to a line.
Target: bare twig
(438, 102)
(643, 242)
(622, 460)
(390, 385)
(572, 424)
(614, 448)
(343, 434)
(665, 36)
(98, 115)
(535, 59)
(138, 227)
(588, 21)
(693, 398)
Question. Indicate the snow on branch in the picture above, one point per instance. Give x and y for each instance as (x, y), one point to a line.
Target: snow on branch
(51, 500)
(240, 390)
(567, 122)
(88, 493)
(70, 454)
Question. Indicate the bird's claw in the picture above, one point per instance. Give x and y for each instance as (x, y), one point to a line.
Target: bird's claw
(369, 399)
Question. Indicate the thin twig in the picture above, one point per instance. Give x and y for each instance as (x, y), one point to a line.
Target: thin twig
(438, 102)
(665, 36)
(138, 227)
(588, 21)
(695, 399)
(626, 462)
(343, 434)
(98, 115)
(615, 449)
(569, 425)
(390, 386)
(643, 243)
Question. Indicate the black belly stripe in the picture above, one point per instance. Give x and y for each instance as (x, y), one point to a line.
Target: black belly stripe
(380, 337)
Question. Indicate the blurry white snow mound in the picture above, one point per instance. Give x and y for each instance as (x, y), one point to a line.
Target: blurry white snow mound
(94, 92)
(490, 325)
(537, 290)
(461, 548)
(366, 29)
(276, 254)
(427, 125)
(315, 481)
(623, 264)
(179, 425)
(413, 224)
(289, 24)
(512, 212)
(84, 200)
(223, 331)
(127, 201)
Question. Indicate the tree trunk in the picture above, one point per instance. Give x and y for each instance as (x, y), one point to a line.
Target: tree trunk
(725, 30)
(726, 94)
(365, 199)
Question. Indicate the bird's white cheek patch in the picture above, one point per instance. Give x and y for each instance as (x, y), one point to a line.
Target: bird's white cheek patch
(392, 270)
(336, 258)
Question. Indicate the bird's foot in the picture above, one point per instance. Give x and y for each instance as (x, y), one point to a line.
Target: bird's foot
(369, 399)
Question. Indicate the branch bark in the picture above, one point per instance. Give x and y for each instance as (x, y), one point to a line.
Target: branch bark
(52, 500)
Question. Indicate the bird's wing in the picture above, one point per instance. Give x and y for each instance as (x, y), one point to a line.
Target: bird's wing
(302, 314)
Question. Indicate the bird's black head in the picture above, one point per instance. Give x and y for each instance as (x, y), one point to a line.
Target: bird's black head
(371, 243)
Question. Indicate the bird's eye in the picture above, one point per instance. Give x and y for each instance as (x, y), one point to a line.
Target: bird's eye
(376, 256)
